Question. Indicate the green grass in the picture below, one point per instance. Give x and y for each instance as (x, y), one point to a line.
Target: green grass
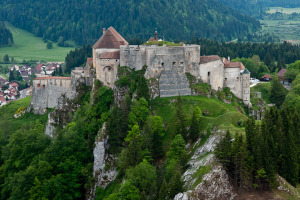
(161, 43)
(265, 89)
(283, 10)
(8, 124)
(284, 29)
(28, 47)
(4, 76)
(215, 112)
(199, 174)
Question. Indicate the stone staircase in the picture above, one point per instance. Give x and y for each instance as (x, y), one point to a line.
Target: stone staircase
(172, 83)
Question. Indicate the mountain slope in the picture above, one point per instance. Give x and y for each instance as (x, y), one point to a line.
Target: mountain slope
(6, 38)
(81, 21)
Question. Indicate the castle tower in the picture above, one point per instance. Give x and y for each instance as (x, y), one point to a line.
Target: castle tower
(106, 56)
(246, 87)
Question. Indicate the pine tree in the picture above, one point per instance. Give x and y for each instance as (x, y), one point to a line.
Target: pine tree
(278, 92)
(180, 119)
(268, 59)
(163, 192)
(176, 184)
(5, 58)
(157, 134)
(195, 125)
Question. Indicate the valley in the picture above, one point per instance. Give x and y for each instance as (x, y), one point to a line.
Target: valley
(29, 47)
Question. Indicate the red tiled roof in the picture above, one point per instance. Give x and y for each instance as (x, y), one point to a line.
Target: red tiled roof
(111, 39)
(14, 84)
(281, 72)
(39, 66)
(89, 61)
(207, 59)
(110, 55)
(52, 77)
(267, 76)
(2, 94)
(235, 65)
(152, 39)
(225, 61)
(2, 99)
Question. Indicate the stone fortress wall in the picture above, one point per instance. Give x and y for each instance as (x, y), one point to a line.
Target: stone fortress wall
(47, 90)
(168, 64)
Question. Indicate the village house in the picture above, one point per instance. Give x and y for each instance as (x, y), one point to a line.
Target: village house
(266, 77)
(13, 85)
(2, 100)
(3, 81)
(281, 74)
(16, 67)
(45, 70)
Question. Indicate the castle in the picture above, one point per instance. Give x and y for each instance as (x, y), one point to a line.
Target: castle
(167, 65)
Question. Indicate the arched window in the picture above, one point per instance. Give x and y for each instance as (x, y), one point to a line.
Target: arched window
(38, 85)
(108, 75)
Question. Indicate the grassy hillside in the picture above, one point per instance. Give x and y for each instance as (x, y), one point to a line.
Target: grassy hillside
(215, 112)
(28, 47)
(8, 124)
(284, 29)
(265, 89)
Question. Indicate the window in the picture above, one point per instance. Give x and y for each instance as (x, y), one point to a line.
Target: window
(44, 86)
(238, 78)
(162, 64)
(174, 63)
(38, 85)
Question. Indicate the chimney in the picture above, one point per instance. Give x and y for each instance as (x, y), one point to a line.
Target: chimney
(104, 30)
(228, 59)
(155, 34)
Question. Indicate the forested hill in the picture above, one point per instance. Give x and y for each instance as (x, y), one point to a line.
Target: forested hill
(81, 20)
(6, 38)
(250, 7)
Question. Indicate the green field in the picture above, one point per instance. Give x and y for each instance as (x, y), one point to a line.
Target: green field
(8, 124)
(283, 10)
(284, 29)
(28, 47)
(215, 112)
(4, 76)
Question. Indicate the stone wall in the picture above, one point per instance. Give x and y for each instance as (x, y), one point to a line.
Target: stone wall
(246, 89)
(106, 68)
(212, 73)
(161, 58)
(233, 81)
(47, 90)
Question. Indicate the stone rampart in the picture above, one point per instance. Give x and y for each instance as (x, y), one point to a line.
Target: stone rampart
(47, 90)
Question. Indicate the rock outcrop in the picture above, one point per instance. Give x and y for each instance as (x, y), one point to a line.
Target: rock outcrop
(214, 185)
(105, 170)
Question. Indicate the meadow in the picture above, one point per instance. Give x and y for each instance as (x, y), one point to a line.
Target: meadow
(284, 29)
(29, 47)
(8, 124)
(283, 10)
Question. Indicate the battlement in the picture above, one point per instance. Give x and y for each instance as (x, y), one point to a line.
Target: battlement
(43, 82)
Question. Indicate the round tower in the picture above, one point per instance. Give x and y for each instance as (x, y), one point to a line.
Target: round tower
(246, 87)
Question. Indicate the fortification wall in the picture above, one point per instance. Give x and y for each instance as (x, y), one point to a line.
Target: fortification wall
(212, 73)
(233, 81)
(246, 89)
(161, 58)
(46, 92)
